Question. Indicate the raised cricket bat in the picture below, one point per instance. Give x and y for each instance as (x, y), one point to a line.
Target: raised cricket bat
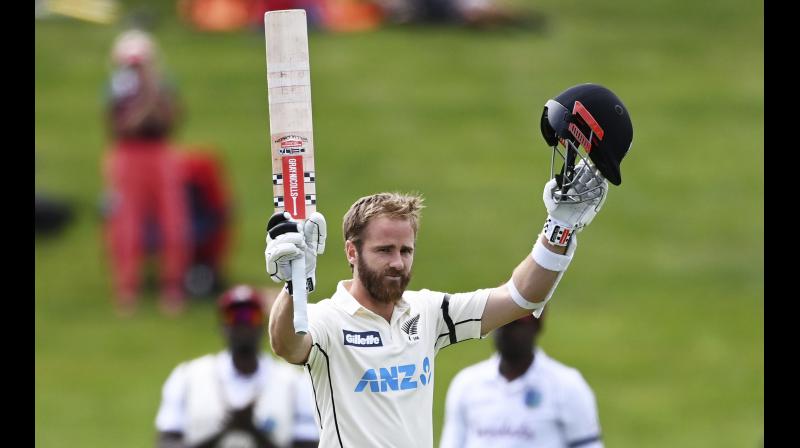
(291, 132)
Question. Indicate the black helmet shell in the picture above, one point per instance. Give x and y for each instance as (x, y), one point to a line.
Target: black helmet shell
(607, 148)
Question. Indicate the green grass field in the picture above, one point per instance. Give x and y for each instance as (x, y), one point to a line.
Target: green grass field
(662, 309)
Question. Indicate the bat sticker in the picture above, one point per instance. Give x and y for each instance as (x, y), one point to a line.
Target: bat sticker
(291, 145)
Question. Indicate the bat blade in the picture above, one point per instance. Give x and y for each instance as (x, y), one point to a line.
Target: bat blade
(291, 132)
(290, 118)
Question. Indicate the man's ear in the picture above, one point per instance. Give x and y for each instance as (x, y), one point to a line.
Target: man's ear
(350, 252)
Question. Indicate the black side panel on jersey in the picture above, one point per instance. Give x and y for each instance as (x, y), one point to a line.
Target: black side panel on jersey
(333, 402)
(447, 319)
(314, 389)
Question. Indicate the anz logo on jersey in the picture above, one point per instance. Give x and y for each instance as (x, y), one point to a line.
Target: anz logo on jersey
(403, 377)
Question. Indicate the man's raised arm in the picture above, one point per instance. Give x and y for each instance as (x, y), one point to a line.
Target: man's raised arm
(535, 279)
(287, 241)
(292, 347)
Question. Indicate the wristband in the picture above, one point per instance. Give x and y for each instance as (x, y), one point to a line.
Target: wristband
(519, 300)
(557, 232)
(550, 260)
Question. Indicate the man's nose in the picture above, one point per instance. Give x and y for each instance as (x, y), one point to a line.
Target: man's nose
(397, 261)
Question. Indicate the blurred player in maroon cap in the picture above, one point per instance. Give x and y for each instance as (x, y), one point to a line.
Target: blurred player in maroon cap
(239, 396)
(144, 174)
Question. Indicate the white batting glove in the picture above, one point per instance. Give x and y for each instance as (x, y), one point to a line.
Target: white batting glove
(286, 242)
(569, 214)
(315, 231)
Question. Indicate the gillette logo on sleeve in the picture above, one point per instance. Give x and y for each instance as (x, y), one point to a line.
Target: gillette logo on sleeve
(362, 338)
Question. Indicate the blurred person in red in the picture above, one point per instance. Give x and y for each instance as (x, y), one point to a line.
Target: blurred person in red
(330, 15)
(144, 174)
(210, 210)
(239, 396)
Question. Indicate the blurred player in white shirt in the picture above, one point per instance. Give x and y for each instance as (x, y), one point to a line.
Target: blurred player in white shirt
(520, 397)
(238, 397)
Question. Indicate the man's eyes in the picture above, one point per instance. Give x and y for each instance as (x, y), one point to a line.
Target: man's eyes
(405, 250)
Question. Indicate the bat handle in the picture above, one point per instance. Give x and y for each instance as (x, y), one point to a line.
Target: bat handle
(299, 296)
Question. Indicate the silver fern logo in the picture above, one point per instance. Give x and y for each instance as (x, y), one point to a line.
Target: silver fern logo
(411, 328)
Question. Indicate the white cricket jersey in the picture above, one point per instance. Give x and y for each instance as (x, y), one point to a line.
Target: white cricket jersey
(550, 406)
(373, 379)
(199, 393)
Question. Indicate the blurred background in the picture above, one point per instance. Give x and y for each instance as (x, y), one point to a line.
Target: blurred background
(662, 309)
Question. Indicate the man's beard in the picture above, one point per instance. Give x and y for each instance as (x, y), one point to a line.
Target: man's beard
(378, 286)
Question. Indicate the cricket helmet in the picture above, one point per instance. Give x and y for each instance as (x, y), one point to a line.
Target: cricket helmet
(591, 117)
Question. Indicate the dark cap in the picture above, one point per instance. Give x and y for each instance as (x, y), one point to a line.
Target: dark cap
(241, 305)
(240, 295)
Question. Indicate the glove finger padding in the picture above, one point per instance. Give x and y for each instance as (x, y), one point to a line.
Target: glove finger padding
(586, 177)
(595, 187)
(279, 255)
(315, 230)
(285, 243)
(281, 223)
(288, 240)
(547, 195)
(571, 213)
(277, 218)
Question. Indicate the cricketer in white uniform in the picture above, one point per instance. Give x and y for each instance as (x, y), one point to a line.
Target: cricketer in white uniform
(520, 397)
(237, 397)
(371, 348)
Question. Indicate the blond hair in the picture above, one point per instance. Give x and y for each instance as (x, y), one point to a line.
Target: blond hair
(392, 205)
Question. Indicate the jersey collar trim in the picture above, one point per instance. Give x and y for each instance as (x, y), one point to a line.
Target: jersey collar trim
(344, 300)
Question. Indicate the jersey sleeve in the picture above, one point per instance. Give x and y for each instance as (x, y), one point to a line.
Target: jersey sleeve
(454, 432)
(580, 416)
(305, 426)
(320, 338)
(459, 317)
(172, 411)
